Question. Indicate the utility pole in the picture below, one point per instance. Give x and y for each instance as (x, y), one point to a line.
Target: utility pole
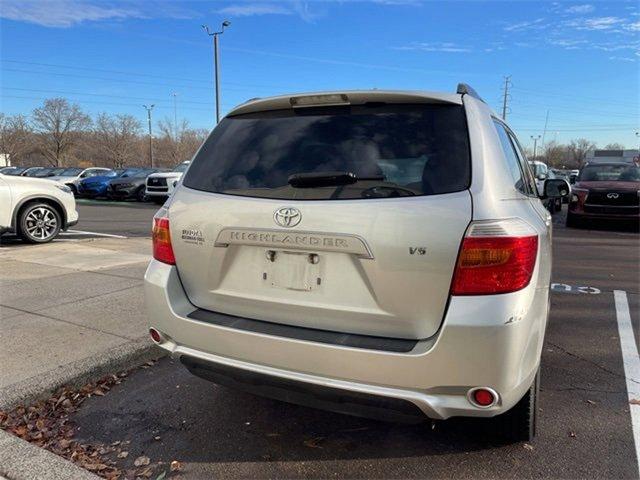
(175, 115)
(505, 98)
(535, 144)
(216, 61)
(544, 132)
(149, 108)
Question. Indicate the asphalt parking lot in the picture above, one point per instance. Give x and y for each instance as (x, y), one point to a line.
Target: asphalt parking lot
(585, 427)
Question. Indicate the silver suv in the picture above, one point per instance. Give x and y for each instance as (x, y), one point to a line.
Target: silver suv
(381, 253)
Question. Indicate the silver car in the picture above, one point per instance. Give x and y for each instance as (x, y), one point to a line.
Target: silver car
(379, 253)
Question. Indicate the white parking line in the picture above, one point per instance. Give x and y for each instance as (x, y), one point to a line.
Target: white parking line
(81, 232)
(631, 362)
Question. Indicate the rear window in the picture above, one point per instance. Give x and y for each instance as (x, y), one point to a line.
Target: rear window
(392, 150)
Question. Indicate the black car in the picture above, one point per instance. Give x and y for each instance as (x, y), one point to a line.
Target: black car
(133, 186)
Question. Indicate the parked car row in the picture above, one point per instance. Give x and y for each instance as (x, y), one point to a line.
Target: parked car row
(137, 183)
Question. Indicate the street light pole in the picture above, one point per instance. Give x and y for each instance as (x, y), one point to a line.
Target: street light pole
(175, 115)
(149, 108)
(535, 144)
(216, 62)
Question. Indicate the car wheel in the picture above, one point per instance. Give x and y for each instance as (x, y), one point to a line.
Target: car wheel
(39, 223)
(159, 200)
(519, 423)
(140, 195)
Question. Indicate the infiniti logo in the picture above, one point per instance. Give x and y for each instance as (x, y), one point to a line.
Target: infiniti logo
(612, 195)
(287, 216)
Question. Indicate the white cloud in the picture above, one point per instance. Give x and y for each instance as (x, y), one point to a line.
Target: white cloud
(567, 42)
(624, 59)
(634, 27)
(596, 23)
(64, 13)
(250, 9)
(581, 9)
(537, 24)
(294, 7)
(447, 47)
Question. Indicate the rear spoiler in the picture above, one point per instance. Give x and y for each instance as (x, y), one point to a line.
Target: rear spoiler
(465, 89)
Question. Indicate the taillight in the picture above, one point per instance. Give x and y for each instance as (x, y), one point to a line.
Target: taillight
(496, 257)
(161, 238)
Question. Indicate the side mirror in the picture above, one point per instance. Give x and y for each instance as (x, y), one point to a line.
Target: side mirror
(542, 176)
(556, 188)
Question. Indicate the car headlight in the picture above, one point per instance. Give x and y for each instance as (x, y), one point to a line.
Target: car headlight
(64, 188)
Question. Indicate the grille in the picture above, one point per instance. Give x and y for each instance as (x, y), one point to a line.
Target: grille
(157, 182)
(614, 198)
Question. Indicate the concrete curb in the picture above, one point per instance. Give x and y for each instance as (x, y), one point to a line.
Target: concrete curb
(80, 372)
(20, 460)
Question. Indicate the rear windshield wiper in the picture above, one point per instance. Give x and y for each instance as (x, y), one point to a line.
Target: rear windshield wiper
(326, 179)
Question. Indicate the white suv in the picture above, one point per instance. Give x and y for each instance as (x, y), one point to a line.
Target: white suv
(382, 253)
(36, 209)
(159, 186)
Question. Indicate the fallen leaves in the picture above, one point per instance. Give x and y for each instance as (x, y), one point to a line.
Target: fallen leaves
(142, 461)
(634, 401)
(175, 466)
(47, 425)
(313, 442)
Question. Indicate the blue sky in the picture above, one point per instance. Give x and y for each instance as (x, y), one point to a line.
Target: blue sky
(578, 60)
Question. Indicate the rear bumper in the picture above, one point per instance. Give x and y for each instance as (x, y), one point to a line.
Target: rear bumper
(492, 341)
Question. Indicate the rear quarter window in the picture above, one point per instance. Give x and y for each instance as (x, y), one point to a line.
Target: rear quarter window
(394, 151)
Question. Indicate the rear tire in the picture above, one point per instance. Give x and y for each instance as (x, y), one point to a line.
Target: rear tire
(141, 196)
(39, 223)
(519, 423)
(159, 200)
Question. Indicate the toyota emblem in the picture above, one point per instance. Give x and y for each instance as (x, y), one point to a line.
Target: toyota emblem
(287, 217)
(612, 195)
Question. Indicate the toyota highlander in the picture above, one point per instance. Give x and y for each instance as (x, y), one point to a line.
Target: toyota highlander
(378, 253)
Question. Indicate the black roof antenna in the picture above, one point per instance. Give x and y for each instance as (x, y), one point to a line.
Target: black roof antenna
(464, 89)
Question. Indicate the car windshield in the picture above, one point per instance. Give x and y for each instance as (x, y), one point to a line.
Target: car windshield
(129, 172)
(368, 151)
(16, 171)
(143, 173)
(610, 173)
(70, 172)
(35, 172)
(181, 168)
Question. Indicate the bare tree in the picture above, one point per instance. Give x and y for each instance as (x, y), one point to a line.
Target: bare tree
(578, 149)
(118, 137)
(60, 125)
(177, 143)
(15, 136)
(555, 154)
(614, 146)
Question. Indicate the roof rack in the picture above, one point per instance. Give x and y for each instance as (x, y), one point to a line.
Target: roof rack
(464, 89)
